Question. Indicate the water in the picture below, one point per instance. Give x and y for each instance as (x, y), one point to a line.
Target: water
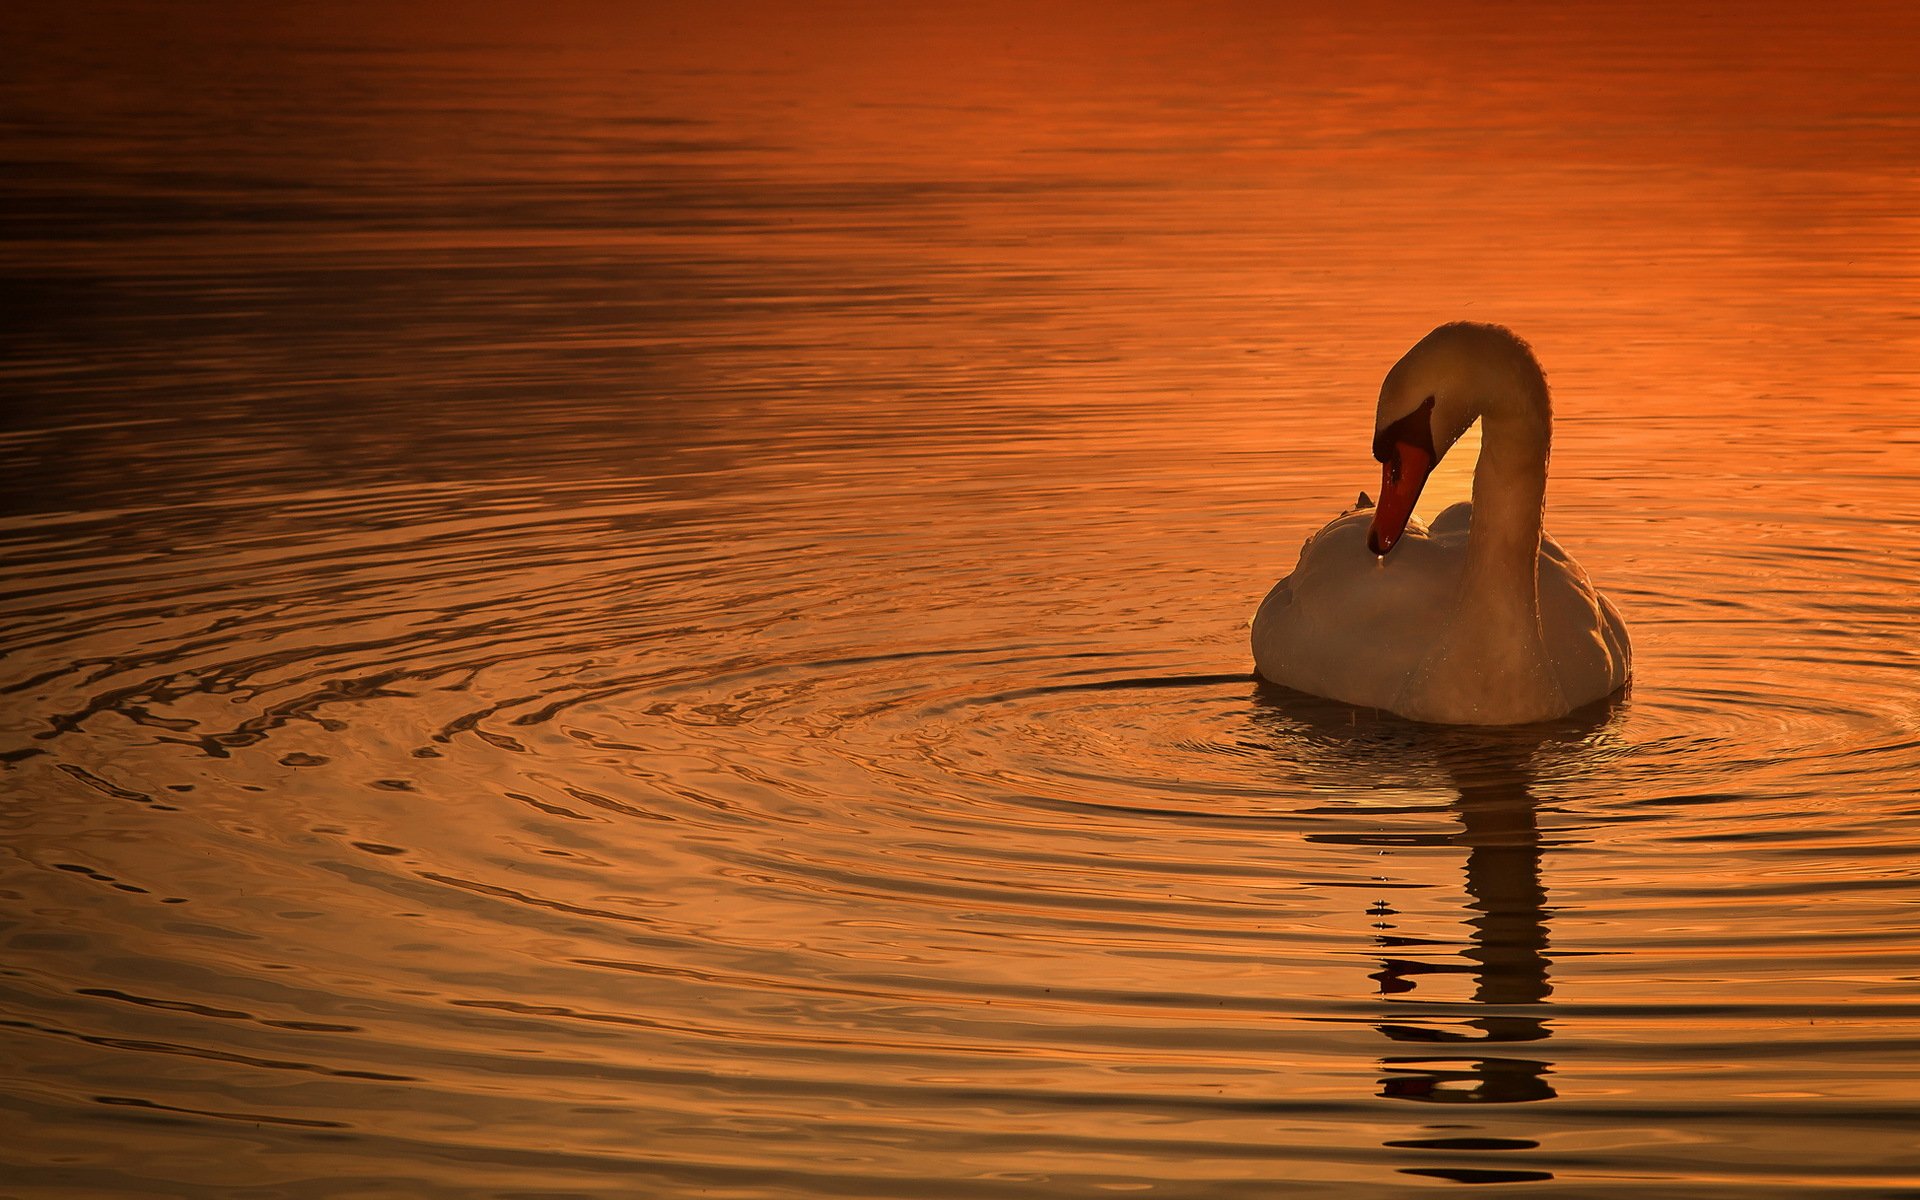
(654, 603)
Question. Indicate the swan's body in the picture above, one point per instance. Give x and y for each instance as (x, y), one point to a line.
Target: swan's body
(1481, 619)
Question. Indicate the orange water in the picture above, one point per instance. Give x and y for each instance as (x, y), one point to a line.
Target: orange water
(616, 602)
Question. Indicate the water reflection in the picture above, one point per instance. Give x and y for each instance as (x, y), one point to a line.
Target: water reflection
(1486, 1048)
(590, 604)
(1507, 955)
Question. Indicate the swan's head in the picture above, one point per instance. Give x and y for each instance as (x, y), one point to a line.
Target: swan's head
(1438, 389)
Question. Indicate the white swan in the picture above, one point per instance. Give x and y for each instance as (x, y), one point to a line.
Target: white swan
(1479, 620)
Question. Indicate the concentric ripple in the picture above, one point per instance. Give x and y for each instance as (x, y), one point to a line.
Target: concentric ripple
(649, 600)
(611, 835)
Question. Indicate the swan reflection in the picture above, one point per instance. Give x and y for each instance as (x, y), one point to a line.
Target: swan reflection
(1490, 1046)
(1506, 956)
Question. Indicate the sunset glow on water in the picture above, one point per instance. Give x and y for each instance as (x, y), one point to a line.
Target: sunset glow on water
(652, 600)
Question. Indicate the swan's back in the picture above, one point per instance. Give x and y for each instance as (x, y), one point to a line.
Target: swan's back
(1349, 625)
(1353, 626)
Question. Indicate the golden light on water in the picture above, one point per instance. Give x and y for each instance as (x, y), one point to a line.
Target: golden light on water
(651, 599)
(1452, 480)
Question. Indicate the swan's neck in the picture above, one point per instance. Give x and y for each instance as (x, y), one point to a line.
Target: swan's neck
(1509, 492)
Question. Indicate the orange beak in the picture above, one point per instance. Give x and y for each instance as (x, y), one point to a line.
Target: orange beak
(1406, 454)
(1401, 479)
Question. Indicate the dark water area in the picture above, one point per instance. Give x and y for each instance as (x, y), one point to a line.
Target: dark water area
(652, 601)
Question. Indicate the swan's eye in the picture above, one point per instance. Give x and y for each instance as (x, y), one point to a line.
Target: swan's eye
(1415, 430)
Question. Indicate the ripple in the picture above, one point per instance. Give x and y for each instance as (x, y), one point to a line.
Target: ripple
(585, 803)
(631, 635)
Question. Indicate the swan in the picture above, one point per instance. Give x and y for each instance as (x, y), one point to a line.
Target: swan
(1480, 619)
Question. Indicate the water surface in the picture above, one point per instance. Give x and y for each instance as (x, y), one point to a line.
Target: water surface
(655, 604)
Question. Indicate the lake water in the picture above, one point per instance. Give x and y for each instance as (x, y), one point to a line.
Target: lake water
(652, 601)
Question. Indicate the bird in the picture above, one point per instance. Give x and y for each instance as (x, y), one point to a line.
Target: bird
(1480, 618)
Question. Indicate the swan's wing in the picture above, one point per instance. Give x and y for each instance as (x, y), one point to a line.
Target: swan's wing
(1453, 519)
(1347, 625)
(1614, 629)
(1584, 633)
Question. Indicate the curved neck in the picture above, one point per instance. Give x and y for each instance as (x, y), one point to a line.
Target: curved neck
(1509, 493)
